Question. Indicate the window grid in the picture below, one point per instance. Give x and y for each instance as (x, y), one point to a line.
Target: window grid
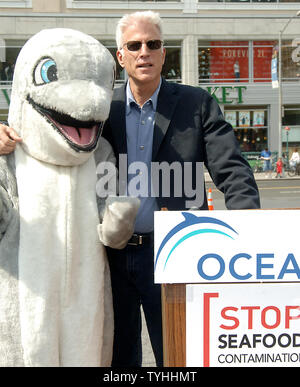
(243, 61)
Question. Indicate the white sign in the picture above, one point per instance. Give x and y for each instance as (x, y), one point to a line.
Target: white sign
(243, 325)
(227, 246)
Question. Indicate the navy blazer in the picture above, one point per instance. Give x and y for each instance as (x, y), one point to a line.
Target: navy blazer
(190, 127)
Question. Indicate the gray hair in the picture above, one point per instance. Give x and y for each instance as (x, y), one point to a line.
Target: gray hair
(128, 19)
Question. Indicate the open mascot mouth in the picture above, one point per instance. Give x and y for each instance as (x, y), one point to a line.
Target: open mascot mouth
(80, 135)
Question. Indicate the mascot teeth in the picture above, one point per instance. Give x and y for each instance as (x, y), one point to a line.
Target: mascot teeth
(81, 135)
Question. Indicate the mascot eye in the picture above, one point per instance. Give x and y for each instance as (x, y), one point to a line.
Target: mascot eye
(45, 71)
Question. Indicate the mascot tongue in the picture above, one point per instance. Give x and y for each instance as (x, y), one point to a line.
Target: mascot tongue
(81, 136)
(78, 135)
(78, 132)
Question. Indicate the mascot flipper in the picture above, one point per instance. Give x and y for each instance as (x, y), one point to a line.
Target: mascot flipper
(55, 299)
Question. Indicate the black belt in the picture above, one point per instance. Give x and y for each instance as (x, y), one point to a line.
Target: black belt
(140, 239)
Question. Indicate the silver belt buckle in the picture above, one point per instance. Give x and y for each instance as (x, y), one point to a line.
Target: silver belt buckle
(140, 240)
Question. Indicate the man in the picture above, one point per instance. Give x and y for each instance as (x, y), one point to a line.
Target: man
(152, 120)
(266, 157)
(295, 158)
(236, 69)
(188, 127)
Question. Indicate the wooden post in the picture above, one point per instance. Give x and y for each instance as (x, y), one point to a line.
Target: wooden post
(174, 324)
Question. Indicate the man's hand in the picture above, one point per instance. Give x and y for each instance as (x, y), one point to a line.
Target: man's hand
(8, 139)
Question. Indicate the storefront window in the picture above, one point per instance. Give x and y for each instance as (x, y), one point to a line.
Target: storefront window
(262, 56)
(231, 61)
(223, 61)
(291, 116)
(291, 137)
(9, 52)
(250, 127)
(172, 66)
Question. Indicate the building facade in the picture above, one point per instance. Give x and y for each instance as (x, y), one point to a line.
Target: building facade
(225, 47)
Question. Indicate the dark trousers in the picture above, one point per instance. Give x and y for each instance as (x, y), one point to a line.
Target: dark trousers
(132, 276)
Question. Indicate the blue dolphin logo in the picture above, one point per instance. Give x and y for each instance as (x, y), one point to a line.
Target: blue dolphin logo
(191, 219)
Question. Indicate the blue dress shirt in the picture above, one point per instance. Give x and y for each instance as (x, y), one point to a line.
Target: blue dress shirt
(139, 133)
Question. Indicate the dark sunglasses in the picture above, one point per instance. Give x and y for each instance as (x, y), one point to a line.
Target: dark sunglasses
(135, 45)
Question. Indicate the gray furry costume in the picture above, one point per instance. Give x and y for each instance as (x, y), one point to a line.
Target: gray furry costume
(55, 295)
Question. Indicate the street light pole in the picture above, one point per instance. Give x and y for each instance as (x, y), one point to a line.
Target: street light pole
(280, 110)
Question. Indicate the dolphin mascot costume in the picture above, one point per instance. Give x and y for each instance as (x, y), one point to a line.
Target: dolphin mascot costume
(55, 294)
